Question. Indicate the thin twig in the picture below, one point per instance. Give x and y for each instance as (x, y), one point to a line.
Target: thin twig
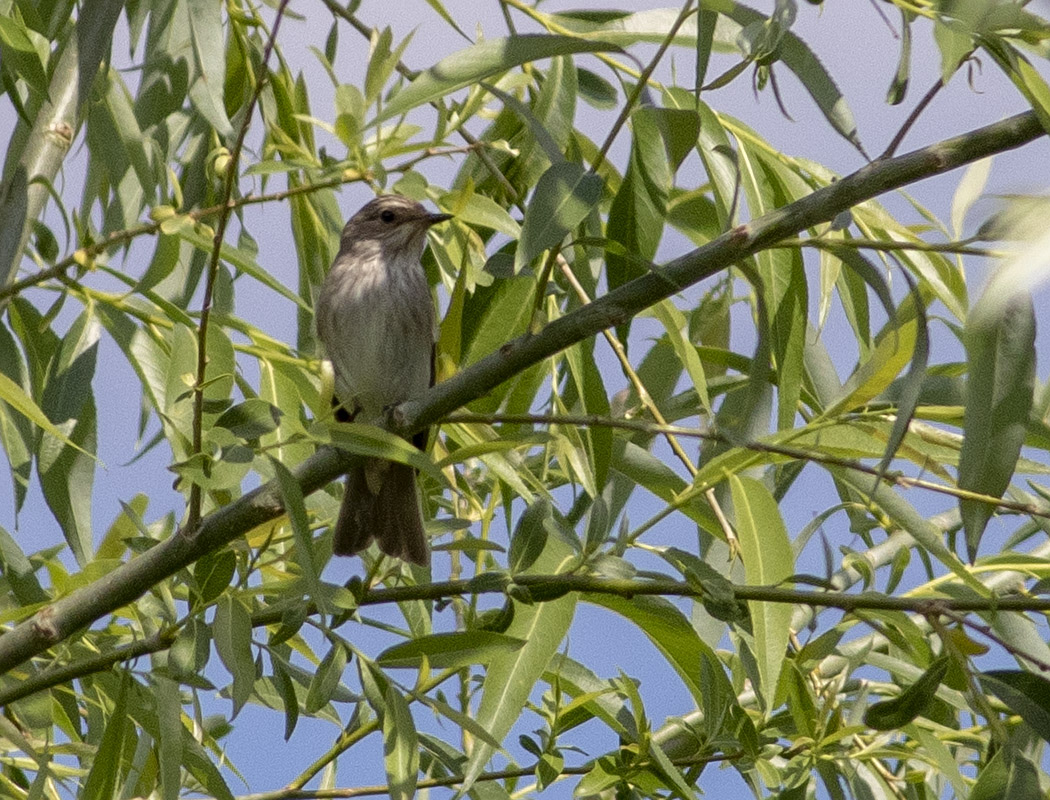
(796, 453)
(193, 517)
(911, 120)
(58, 674)
(640, 86)
(955, 248)
(453, 780)
(649, 404)
(89, 252)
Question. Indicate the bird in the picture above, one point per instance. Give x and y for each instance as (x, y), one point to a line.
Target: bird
(375, 320)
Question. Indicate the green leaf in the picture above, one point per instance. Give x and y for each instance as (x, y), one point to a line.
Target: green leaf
(530, 536)
(589, 390)
(439, 8)
(669, 630)
(327, 679)
(653, 25)
(899, 86)
(797, 56)
(95, 23)
(209, 55)
(548, 769)
(909, 388)
(373, 442)
(564, 196)
(101, 781)
(1025, 693)
(251, 419)
(481, 211)
(17, 52)
(898, 712)
(400, 746)
(195, 760)
(676, 328)
(239, 258)
(636, 217)
(67, 476)
(233, 640)
(1024, 76)
(450, 650)
(16, 397)
(671, 775)
(18, 572)
(213, 574)
(1000, 352)
(1008, 775)
(783, 281)
(295, 507)
(483, 60)
(595, 90)
(511, 677)
(768, 560)
(169, 721)
(706, 22)
(17, 434)
(971, 186)
(286, 688)
(400, 742)
(894, 349)
(955, 46)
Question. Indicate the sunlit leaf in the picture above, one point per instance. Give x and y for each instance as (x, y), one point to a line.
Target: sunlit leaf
(768, 560)
(483, 60)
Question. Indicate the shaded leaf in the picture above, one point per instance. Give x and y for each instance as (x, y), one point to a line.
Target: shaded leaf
(101, 781)
(233, 640)
(449, 650)
(1000, 351)
(1025, 693)
(913, 701)
(1008, 775)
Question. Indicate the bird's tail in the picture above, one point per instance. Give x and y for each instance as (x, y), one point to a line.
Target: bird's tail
(381, 502)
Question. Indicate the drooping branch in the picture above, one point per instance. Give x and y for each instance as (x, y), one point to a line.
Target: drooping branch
(126, 583)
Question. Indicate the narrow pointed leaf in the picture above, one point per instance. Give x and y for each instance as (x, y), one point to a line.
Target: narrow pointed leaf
(481, 61)
(564, 196)
(1000, 352)
(768, 560)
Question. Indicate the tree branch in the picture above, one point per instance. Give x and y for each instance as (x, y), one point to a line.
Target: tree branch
(709, 434)
(126, 583)
(453, 780)
(735, 245)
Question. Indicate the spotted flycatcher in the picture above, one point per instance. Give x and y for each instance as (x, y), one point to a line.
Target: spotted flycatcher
(375, 319)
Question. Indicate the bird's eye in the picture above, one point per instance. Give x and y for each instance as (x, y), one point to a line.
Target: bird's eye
(388, 216)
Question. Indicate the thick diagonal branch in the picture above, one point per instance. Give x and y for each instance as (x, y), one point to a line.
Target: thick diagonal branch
(129, 581)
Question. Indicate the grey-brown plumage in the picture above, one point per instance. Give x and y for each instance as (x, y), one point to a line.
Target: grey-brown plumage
(375, 319)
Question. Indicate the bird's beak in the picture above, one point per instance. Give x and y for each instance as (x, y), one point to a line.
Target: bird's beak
(434, 219)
